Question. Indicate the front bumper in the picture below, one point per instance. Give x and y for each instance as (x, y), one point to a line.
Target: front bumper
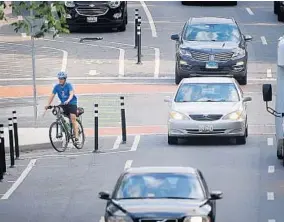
(190, 128)
(237, 68)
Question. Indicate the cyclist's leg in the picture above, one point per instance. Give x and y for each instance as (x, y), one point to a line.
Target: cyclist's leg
(73, 116)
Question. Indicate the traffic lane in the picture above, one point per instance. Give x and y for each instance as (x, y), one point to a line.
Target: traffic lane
(64, 189)
(235, 170)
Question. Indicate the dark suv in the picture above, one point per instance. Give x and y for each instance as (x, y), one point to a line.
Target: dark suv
(211, 45)
(107, 14)
(279, 10)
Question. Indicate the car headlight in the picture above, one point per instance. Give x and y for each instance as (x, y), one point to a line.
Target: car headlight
(185, 52)
(178, 116)
(236, 115)
(69, 4)
(114, 4)
(239, 53)
(197, 219)
(119, 219)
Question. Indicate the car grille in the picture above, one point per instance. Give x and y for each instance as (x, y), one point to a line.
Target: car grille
(205, 117)
(204, 57)
(215, 131)
(88, 11)
(158, 220)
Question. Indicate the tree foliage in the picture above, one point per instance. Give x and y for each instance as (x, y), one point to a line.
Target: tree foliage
(46, 17)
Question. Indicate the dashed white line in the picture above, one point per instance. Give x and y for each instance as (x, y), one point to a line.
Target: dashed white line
(117, 143)
(128, 164)
(249, 11)
(269, 73)
(270, 141)
(121, 62)
(157, 63)
(271, 220)
(64, 59)
(135, 143)
(150, 19)
(263, 40)
(19, 180)
(271, 169)
(93, 72)
(102, 219)
(270, 195)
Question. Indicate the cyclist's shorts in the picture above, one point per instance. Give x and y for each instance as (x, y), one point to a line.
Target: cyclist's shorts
(70, 108)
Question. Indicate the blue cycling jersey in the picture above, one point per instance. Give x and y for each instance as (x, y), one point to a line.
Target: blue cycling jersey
(63, 93)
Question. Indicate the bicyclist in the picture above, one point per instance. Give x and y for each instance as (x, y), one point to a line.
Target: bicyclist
(66, 95)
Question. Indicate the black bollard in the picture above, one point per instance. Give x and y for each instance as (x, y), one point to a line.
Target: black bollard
(2, 149)
(96, 130)
(135, 31)
(123, 120)
(16, 136)
(11, 143)
(139, 44)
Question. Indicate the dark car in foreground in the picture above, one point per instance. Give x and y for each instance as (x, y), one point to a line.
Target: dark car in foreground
(211, 45)
(105, 14)
(279, 10)
(161, 194)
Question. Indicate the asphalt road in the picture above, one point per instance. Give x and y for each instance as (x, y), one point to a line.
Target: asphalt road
(65, 187)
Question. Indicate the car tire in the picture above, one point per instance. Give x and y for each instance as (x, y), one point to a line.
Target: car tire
(275, 8)
(246, 132)
(72, 29)
(178, 78)
(122, 28)
(234, 3)
(172, 140)
(184, 3)
(241, 140)
(243, 81)
(280, 17)
(279, 150)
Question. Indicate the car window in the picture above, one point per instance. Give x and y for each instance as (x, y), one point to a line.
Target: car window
(207, 92)
(159, 185)
(212, 32)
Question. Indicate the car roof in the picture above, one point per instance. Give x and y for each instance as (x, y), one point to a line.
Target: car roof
(211, 20)
(208, 80)
(183, 170)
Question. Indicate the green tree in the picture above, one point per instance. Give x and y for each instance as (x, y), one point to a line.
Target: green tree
(50, 16)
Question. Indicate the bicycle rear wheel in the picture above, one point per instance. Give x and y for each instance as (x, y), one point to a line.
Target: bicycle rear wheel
(81, 135)
(56, 131)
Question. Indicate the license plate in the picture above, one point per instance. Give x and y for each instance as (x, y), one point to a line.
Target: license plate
(205, 128)
(211, 65)
(92, 19)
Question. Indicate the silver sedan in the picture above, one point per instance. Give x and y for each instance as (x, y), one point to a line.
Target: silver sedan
(208, 106)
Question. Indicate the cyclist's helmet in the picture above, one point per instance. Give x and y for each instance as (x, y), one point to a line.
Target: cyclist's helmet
(62, 75)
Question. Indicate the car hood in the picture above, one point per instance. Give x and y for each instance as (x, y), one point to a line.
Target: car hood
(164, 207)
(210, 46)
(206, 107)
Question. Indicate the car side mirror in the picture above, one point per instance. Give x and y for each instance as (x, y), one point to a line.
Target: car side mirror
(167, 99)
(175, 37)
(267, 92)
(216, 195)
(248, 38)
(247, 99)
(104, 195)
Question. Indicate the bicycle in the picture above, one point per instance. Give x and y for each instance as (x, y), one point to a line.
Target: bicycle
(64, 128)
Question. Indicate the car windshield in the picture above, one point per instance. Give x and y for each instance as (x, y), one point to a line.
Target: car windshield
(207, 92)
(212, 32)
(159, 186)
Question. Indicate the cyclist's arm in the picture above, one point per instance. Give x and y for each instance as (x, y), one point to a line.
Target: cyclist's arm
(50, 99)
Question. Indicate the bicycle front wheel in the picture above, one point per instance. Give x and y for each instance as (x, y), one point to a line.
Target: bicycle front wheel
(58, 137)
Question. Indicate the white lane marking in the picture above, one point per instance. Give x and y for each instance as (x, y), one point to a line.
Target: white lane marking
(93, 72)
(271, 220)
(64, 58)
(121, 62)
(135, 143)
(270, 141)
(19, 180)
(150, 19)
(117, 143)
(271, 169)
(263, 40)
(269, 73)
(270, 195)
(128, 164)
(102, 219)
(157, 63)
(249, 11)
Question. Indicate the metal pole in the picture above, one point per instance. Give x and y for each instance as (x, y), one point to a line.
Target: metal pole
(34, 72)
(96, 130)
(123, 121)
(135, 31)
(2, 149)
(11, 143)
(139, 44)
(16, 135)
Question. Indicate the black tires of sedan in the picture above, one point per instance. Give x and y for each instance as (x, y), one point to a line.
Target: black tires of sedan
(172, 140)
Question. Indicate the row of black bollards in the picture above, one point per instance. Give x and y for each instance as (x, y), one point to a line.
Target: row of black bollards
(13, 142)
(96, 125)
(138, 35)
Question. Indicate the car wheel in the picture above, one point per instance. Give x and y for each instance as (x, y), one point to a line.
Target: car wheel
(275, 8)
(122, 28)
(280, 17)
(72, 29)
(241, 140)
(246, 133)
(234, 3)
(244, 80)
(279, 150)
(184, 2)
(178, 78)
(172, 140)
